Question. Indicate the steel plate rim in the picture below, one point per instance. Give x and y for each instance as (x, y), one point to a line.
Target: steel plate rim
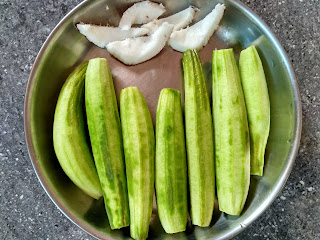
(263, 206)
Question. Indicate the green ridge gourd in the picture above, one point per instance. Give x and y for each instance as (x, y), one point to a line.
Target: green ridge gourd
(106, 140)
(232, 144)
(171, 163)
(258, 106)
(69, 136)
(199, 140)
(139, 149)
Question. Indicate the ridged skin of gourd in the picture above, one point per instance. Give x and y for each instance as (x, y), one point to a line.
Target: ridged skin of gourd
(139, 149)
(69, 135)
(171, 163)
(258, 106)
(231, 132)
(199, 140)
(106, 140)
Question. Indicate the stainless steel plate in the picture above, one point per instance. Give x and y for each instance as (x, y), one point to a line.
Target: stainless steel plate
(66, 48)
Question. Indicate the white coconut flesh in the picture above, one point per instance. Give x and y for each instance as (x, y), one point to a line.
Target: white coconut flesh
(102, 35)
(198, 35)
(133, 51)
(140, 13)
(179, 20)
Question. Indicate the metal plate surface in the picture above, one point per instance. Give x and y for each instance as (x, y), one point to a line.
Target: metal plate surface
(65, 48)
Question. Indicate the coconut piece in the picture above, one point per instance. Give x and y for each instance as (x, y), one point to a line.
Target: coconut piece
(198, 35)
(140, 13)
(132, 51)
(102, 35)
(179, 20)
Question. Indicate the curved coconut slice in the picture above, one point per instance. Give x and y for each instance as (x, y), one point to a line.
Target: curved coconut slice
(196, 36)
(140, 13)
(102, 35)
(179, 20)
(137, 50)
